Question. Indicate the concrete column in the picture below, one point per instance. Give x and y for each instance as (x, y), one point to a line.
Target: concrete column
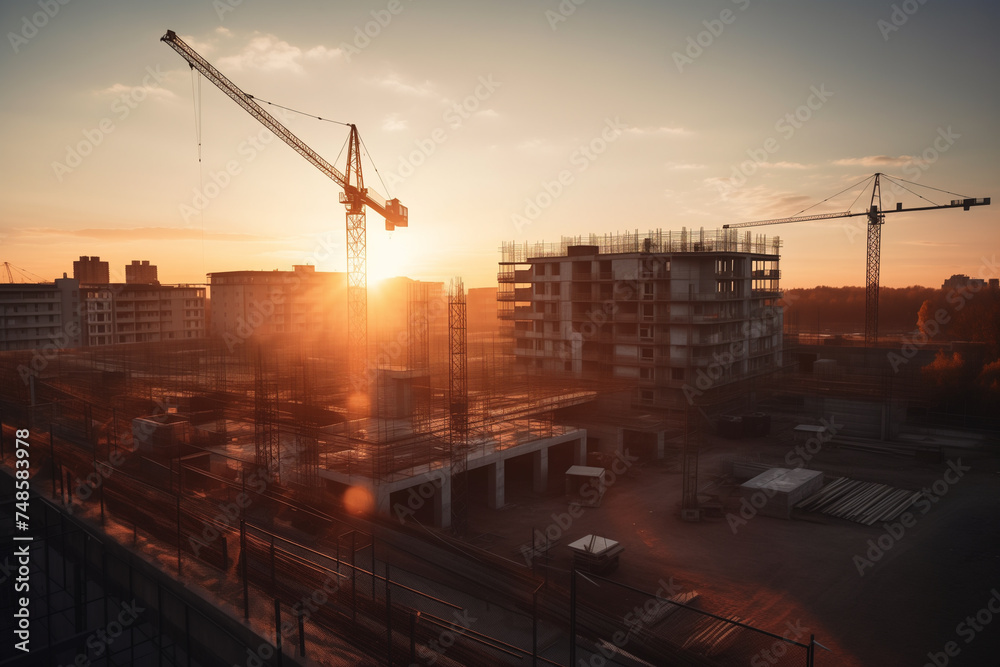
(580, 451)
(495, 485)
(661, 445)
(381, 495)
(442, 502)
(540, 477)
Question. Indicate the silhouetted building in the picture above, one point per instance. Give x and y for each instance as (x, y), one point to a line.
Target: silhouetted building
(142, 273)
(91, 271)
(960, 280)
(121, 313)
(677, 314)
(43, 316)
(265, 303)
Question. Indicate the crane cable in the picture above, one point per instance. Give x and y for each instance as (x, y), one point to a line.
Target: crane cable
(836, 195)
(388, 194)
(894, 179)
(196, 99)
(301, 113)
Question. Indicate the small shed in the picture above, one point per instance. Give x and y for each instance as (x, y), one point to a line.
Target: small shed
(592, 553)
(585, 485)
(776, 491)
(803, 432)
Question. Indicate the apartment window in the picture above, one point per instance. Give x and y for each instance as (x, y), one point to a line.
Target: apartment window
(646, 395)
(647, 311)
(646, 354)
(647, 291)
(646, 332)
(645, 373)
(676, 373)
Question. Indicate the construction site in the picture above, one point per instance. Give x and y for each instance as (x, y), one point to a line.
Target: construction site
(632, 464)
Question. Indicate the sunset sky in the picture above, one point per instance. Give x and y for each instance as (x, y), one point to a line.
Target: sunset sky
(696, 114)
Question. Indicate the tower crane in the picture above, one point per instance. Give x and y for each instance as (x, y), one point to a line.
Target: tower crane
(355, 197)
(876, 218)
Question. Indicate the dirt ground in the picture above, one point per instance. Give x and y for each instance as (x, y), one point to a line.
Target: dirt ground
(904, 608)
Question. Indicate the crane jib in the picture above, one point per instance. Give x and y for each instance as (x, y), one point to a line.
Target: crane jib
(395, 214)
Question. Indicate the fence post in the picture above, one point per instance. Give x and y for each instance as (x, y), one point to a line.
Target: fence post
(178, 531)
(572, 616)
(534, 629)
(354, 582)
(388, 610)
(277, 629)
(811, 651)
(413, 638)
(302, 635)
(243, 568)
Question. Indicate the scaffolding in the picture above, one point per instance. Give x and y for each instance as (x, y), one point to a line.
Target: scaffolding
(634, 241)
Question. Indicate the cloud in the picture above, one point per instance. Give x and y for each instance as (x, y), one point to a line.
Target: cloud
(397, 85)
(685, 166)
(268, 53)
(143, 234)
(119, 89)
(783, 165)
(660, 131)
(393, 123)
(876, 161)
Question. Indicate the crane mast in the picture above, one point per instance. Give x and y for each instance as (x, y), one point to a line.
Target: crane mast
(355, 196)
(876, 218)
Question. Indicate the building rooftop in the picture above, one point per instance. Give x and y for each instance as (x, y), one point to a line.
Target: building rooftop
(653, 241)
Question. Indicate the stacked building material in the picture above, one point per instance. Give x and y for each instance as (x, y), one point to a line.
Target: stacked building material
(863, 502)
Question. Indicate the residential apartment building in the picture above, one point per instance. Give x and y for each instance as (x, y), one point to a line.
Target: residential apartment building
(675, 316)
(33, 316)
(267, 303)
(91, 271)
(142, 273)
(122, 313)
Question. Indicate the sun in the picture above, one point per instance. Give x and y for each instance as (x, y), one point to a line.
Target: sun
(390, 254)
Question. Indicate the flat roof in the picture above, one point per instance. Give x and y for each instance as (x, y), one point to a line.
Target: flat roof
(593, 544)
(782, 480)
(585, 471)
